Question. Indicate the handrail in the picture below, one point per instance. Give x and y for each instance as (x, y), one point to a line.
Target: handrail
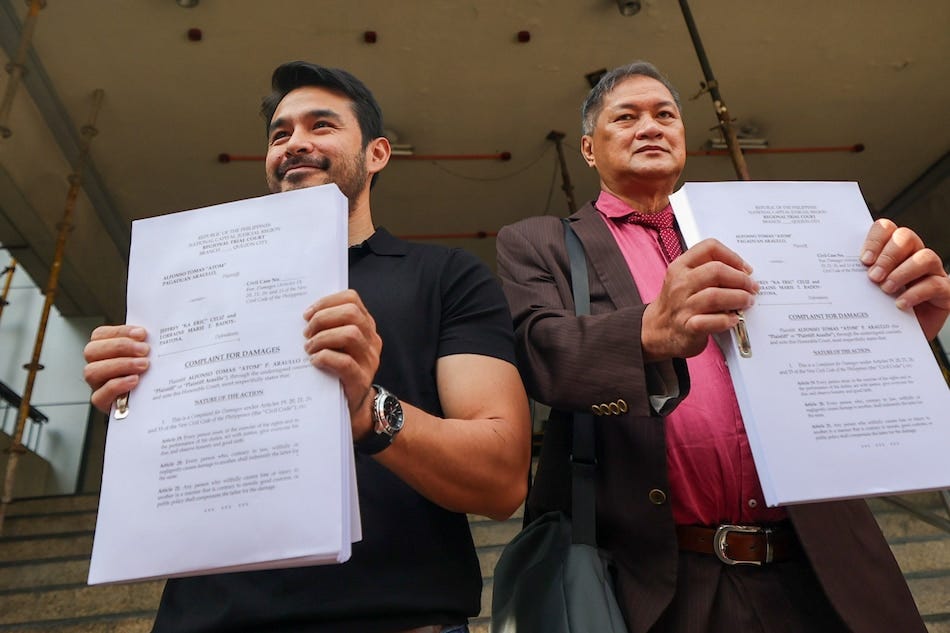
(15, 400)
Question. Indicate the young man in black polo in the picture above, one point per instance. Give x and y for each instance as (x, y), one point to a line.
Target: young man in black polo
(422, 345)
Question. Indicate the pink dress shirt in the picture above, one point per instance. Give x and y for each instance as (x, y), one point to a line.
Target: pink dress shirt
(712, 475)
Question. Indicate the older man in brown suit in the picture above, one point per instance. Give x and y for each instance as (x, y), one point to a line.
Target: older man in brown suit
(673, 457)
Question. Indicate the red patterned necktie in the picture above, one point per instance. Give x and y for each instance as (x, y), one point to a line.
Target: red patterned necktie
(663, 224)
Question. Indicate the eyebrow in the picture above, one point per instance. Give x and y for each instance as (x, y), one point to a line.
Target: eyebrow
(323, 113)
(665, 103)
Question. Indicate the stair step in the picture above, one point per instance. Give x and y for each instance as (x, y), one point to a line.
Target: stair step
(938, 626)
(58, 503)
(924, 555)
(487, 586)
(927, 500)
(490, 533)
(138, 622)
(50, 523)
(901, 525)
(488, 558)
(481, 625)
(37, 574)
(79, 601)
(23, 548)
(932, 595)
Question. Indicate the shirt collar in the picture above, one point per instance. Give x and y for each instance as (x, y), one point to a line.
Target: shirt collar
(382, 242)
(611, 206)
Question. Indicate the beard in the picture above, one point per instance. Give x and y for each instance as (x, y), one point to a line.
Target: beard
(348, 173)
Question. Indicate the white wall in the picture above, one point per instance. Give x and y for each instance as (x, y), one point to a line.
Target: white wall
(59, 390)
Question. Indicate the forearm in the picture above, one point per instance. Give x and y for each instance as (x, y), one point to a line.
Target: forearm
(572, 362)
(476, 466)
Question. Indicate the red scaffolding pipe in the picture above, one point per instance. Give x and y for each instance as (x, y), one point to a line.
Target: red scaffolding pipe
(506, 156)
(857, 148)
(502, 156)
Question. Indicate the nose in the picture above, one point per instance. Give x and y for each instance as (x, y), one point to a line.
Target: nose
(649, 128)
(298, 143)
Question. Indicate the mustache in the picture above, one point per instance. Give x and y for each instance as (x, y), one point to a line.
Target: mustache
(319, 162)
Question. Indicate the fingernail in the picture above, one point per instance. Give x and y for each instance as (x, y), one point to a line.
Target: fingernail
(888, 286)
(867, 258)
(140, 363)
(141, 348)
(876, 274)
(901, 304)
(137, 332)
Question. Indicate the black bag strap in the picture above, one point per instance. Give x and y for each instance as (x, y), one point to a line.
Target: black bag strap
(583, 452)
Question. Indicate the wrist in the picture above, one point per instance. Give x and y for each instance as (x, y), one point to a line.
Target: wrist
(361, 417)
(652, 343)
(386, 417)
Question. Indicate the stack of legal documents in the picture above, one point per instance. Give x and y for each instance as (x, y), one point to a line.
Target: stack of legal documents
(234, 453)
(839, 391)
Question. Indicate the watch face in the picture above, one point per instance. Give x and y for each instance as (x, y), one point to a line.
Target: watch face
(392, 413)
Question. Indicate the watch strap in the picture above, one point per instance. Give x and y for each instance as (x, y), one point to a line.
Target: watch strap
(377, 439)
(373, 443)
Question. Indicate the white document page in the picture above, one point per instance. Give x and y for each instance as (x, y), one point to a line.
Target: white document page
(236, 453)
(841, 396)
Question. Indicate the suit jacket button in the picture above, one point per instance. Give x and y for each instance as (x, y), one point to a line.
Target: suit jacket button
(623, 405)
(595, 409)
(657, 497)
(614, 408)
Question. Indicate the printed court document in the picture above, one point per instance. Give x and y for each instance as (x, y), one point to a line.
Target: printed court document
(839, 390)
(235, 452)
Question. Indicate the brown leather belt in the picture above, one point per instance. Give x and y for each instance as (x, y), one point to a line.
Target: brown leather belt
(740, 544)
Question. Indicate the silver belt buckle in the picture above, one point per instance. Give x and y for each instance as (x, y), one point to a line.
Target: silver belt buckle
(722, 533)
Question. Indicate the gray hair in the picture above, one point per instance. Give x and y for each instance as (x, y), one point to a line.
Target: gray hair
(594, 102)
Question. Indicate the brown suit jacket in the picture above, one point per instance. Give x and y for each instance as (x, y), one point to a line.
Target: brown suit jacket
(573, 364)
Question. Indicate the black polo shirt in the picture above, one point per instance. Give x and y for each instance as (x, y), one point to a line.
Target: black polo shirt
(416, 564)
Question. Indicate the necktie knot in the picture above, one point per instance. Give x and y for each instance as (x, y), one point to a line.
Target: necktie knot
(658, 221)
(663, 223)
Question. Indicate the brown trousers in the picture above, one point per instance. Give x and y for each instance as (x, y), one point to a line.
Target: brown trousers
(776, 598)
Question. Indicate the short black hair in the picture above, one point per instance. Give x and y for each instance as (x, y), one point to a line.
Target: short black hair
(292, 75)
(594, 102)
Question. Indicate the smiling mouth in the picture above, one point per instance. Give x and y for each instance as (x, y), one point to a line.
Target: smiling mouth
(292, 165)
(297, 168)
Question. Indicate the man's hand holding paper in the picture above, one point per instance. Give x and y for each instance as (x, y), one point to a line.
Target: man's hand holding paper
(702, 290)
(116, 356)
(903, 267)
(341, 338)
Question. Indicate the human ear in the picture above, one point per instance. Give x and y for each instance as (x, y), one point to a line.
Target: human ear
(587, 150)
(378, 152)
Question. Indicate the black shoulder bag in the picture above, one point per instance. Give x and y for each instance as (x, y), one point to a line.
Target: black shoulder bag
(552, 578)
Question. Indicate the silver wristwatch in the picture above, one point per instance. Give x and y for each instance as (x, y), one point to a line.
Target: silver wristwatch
(387, 422)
